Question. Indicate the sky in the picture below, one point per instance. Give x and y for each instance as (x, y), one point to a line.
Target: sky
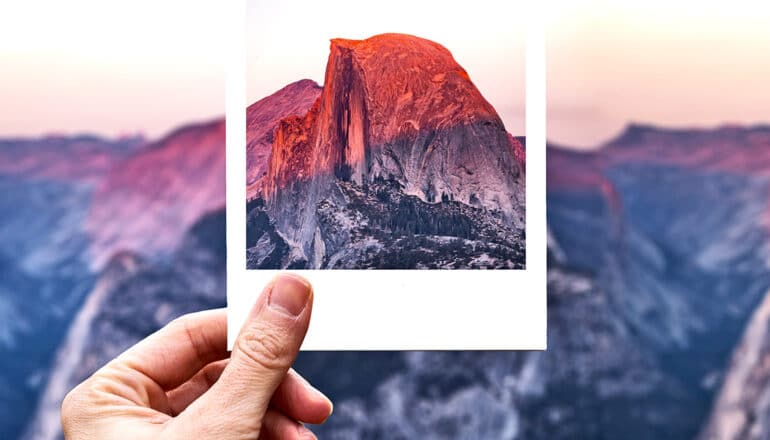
(109, 68)
(147, 66)
(289, 41)
(663, 62)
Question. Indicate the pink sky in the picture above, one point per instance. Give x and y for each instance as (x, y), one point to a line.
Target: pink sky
(109, 67)
(669, 63)
(148, 66)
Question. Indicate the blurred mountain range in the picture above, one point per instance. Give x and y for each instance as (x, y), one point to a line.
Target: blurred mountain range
(73, 211)
(658, 272)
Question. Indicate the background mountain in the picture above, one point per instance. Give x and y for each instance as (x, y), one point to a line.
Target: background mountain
(657, 290)
(132, 297)
(148, 201)
(397, 118)
(52, 248)
(46, 187)
(657, 262)
(671, 224)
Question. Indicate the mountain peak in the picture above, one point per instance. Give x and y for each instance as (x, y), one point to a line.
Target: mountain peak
(405, 41)
(344, 43)
(417, 80)
(298, 85)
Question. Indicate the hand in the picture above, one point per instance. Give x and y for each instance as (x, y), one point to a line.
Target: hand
(179, 383)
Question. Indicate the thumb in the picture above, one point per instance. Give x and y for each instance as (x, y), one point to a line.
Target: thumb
(263, 353)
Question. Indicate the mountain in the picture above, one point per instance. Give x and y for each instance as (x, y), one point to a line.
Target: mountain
(70, 203)
(657, 262)
(51, 157)
(147, 202)
(671, 224)
(397, 112)
(131, 298)
(263, 117)
(47, 185)
(105, 196)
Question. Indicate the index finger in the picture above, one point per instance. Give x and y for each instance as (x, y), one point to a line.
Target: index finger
(173, 354)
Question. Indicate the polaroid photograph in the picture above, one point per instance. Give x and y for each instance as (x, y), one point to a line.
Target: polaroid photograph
(394, 155)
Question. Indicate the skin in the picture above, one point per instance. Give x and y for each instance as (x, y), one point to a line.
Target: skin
(181, 382)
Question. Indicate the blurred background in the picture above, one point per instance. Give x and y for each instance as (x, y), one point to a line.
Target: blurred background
(112, 224)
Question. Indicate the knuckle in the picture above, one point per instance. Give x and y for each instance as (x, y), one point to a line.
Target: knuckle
(186, 325)
(265, 347)
(67, 407)
(181, 322)
(212, 373)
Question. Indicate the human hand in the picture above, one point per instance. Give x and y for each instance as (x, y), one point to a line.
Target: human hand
(180, 384)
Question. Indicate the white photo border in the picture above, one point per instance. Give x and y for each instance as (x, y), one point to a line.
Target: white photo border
(403, 309)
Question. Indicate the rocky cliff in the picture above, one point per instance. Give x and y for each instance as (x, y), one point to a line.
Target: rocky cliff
(393, 108)
(741, 410)
(263, 117)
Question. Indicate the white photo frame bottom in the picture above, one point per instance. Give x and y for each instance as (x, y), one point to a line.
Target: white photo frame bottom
(412, 309)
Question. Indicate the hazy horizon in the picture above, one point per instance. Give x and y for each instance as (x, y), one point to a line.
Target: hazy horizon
(668, 64)
(120, 69)
(699, 64)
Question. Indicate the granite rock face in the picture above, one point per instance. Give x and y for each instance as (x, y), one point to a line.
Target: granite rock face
(393, 108)
(379, 226)
(263, 117)
(741, 410)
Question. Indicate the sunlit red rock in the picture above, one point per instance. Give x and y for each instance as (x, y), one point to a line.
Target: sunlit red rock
(292, 152)
(395, 107)
(263, 116)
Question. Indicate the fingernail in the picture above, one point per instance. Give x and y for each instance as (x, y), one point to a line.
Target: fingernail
(305, 433)
(289, 294)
